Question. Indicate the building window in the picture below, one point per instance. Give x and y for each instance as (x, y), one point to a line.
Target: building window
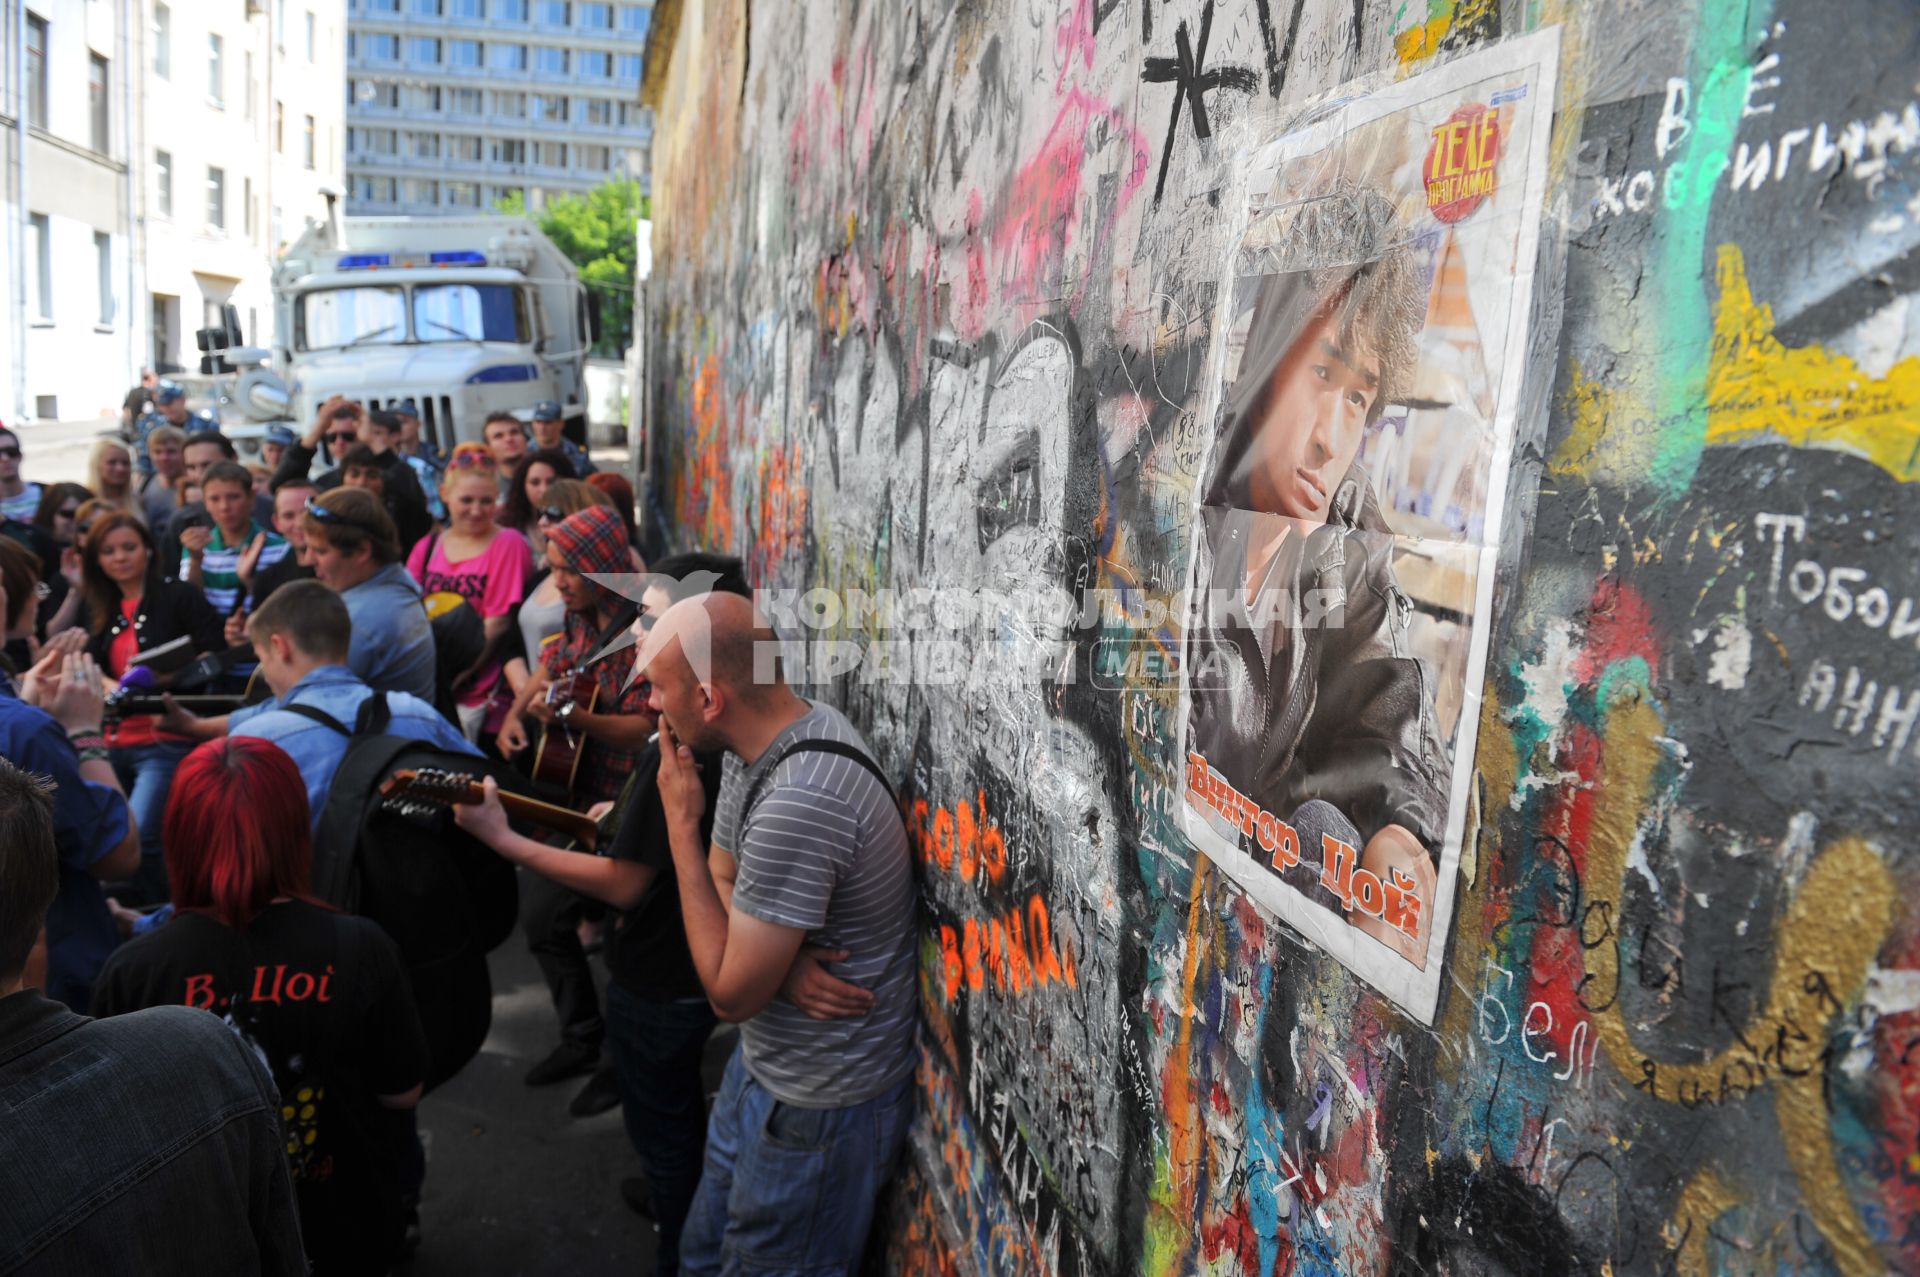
(635, 19)
(162, 42)
(507, 57)
(631, 114)
(423, 51)
(592, 64)
(216, 70)
(306, 144)
(501, 194)
(279, 128)
(550, 13)
(509, 150)
(216, 199)
(253, 85)
(593, 17)
(550, 154)
(313, 41)
(98, 99)
(463, 53)
(36, 72)
(468, 102)
(548, 60)
(511, 105)
(383, 6)
(424, 8)
(423, 146)
(626, 68)
(462, 195)
(551, 107)
(417, 190)
(380, 47)
(163, 181)
(465, 9)
(594, 159)
(103, 264)
(384, 97)
(40, 232)
(508, 10)
(597, 112)
(377, 189)
(466, 150)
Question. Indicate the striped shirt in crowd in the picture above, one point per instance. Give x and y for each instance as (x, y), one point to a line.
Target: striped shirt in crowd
(825, 850)
(24, 506)
(219, 575)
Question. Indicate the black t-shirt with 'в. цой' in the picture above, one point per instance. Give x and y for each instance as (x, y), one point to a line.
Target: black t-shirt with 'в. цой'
(323, 998)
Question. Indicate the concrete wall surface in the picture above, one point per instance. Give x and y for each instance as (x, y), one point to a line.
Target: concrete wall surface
(938, 302)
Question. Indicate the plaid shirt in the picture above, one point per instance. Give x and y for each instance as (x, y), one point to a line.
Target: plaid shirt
(603, 769)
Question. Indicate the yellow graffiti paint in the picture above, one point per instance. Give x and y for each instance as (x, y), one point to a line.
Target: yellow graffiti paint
(1587, 405)
(1759, 390)
(1704, 1199)
(1824, 945)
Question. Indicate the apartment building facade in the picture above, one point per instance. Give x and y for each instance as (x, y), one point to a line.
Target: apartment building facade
(70, 208)
(159, 154)
(244, 127)
(455, 105)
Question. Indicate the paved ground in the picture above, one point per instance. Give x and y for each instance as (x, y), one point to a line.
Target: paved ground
(514, 1185)
(56, 452)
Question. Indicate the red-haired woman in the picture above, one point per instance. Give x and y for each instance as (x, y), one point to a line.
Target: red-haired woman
(320, 995)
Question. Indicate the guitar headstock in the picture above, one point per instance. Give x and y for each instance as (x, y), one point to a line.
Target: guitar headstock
(417, 792)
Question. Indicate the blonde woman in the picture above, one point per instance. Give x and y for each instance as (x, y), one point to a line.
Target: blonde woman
(110, 478)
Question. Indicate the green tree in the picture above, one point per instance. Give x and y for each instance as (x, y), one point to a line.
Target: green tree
(595, 231)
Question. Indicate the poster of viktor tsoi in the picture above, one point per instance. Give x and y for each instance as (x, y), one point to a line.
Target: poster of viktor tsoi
(1369, 359)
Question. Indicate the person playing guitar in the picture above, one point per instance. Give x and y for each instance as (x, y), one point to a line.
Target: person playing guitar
(592, 702)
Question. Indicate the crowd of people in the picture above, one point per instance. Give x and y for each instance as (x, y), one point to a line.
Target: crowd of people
(194, 650)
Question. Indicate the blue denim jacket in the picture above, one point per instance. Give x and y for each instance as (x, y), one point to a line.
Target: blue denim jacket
(392, 647)
(149, 1143)
(317, 749)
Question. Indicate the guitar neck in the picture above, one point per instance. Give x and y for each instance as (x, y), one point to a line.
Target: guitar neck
(573, 824)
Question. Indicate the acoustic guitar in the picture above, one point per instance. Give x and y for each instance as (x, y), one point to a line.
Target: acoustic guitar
(410, 792)
(557, 762)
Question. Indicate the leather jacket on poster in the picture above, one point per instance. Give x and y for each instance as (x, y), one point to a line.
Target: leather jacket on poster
(1339, 709)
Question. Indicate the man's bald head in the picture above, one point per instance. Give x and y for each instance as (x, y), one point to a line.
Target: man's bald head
(700, 657)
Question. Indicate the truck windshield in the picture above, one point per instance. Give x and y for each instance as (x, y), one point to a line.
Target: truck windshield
(469, 312)
(350, 317)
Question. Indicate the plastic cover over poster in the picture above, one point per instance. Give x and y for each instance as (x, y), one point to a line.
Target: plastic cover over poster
(1369, 356)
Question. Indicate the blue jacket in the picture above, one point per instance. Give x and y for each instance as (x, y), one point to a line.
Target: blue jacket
(392, 639)
(148, 1143)
(317, 749)
(89, 820)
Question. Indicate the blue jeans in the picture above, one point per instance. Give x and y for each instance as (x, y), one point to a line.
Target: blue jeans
(656, 1049)
(146, 773)
(787, 1189)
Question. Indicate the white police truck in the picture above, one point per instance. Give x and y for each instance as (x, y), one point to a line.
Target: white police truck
(462, 315)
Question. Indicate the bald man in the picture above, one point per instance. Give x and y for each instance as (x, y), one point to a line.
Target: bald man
(808, 849)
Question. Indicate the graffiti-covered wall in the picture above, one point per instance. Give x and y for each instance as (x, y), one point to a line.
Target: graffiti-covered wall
(942, 301)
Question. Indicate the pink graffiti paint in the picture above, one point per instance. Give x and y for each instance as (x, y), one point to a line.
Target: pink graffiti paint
(1040, 217)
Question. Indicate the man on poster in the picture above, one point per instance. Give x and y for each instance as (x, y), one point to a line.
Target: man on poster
(1321, 716)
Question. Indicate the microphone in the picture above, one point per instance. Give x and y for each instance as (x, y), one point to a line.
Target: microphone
(137, 679)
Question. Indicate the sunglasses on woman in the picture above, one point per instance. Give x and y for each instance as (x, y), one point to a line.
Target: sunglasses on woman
(552, 513)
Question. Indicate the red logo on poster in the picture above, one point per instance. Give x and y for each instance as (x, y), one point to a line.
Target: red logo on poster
(1460, 169)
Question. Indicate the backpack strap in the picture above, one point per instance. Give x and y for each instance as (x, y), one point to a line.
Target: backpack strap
(840, 749)
(317, 715)
(374, 717)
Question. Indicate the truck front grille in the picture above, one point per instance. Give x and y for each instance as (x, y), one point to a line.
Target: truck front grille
(437, 425)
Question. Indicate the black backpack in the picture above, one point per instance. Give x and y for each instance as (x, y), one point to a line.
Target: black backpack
(445, 898)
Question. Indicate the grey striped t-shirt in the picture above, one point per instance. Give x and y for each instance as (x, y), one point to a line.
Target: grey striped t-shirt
(825, 851)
